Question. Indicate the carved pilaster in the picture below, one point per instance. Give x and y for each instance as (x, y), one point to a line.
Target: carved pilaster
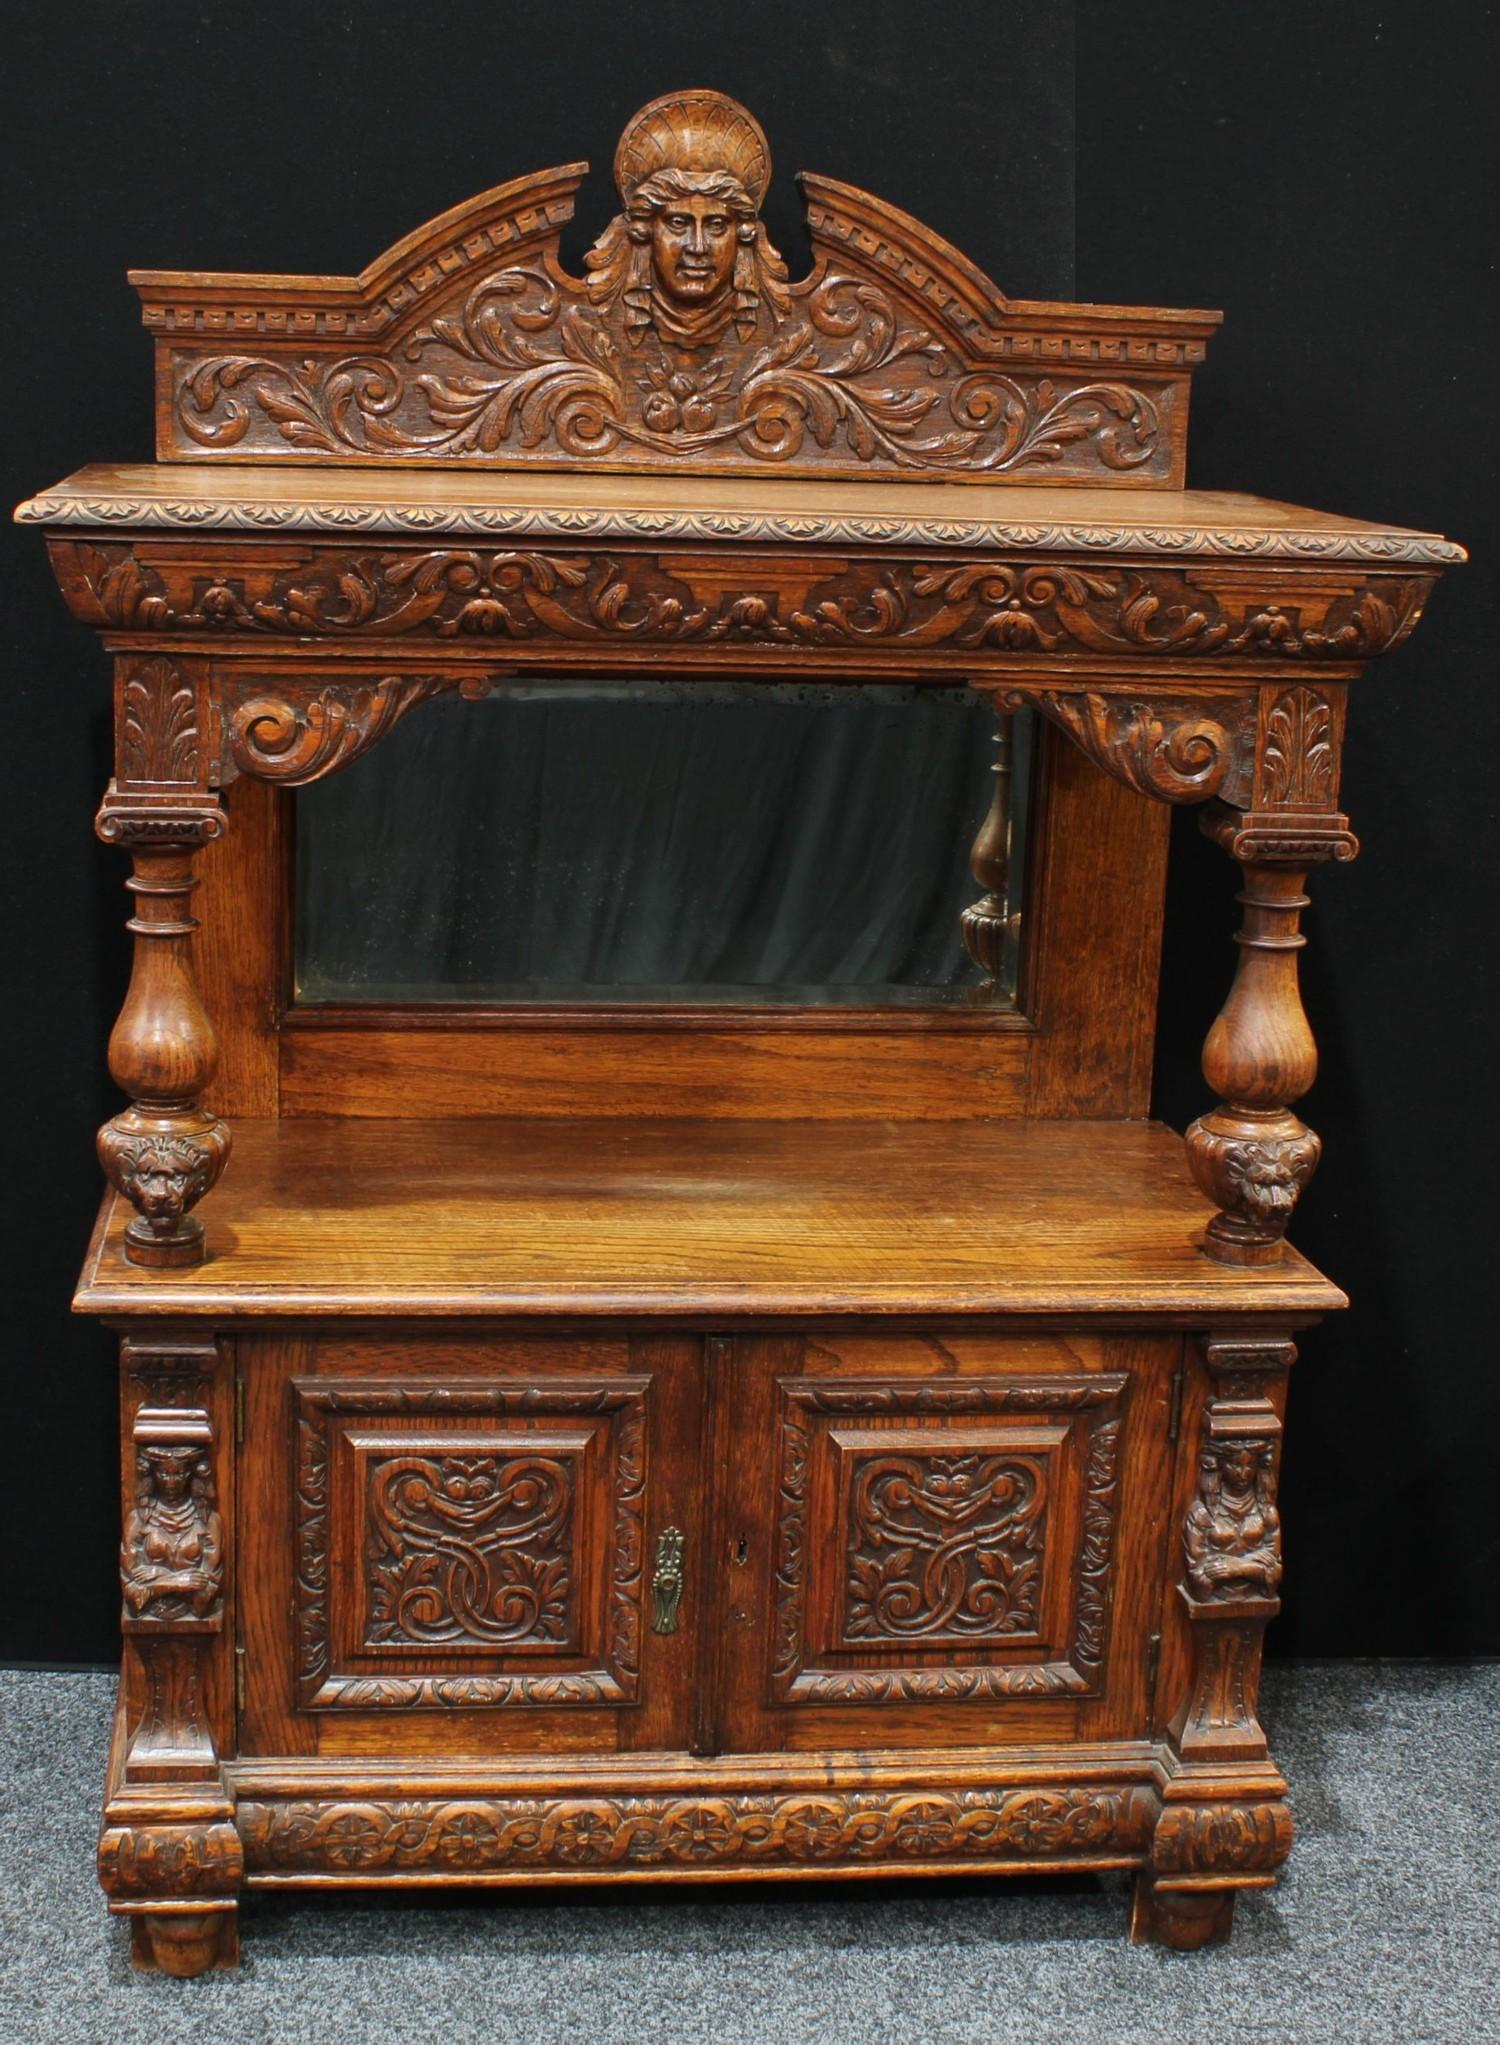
(169, 1853)
(164, 1152)
(986, 923)
(1210, 1842)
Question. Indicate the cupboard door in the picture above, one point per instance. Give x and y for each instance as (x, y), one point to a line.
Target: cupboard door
(469, 1531)
(943, 1540)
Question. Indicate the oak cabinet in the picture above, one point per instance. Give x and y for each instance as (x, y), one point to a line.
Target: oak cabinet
(577, 1427)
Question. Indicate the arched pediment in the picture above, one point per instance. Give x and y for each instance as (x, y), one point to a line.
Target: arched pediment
(684, 348)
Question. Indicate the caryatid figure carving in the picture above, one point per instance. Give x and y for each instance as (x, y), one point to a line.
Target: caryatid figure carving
(689, 255)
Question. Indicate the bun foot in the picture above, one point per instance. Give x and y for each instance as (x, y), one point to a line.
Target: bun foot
(184, 1942)
(1181, 1919)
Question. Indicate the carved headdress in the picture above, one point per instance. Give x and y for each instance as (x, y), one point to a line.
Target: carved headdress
(689, 145)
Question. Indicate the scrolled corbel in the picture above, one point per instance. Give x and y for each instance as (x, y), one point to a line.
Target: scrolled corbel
(292, 737)
(1174, 748)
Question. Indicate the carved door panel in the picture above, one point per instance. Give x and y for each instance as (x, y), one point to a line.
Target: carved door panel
(458, 1546)
(940, 1540)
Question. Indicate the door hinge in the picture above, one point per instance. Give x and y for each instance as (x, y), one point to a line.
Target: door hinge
(239, 1411)
(1153, 1666)
(1174, 1423)
(239, 1680)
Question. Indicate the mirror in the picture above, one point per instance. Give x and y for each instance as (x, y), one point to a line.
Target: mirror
(696, 843)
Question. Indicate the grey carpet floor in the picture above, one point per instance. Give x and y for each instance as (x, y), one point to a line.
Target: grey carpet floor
(1387, 1926)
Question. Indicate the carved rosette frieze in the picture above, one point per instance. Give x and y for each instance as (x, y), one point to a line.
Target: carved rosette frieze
(942, 1553)
(805, 1827)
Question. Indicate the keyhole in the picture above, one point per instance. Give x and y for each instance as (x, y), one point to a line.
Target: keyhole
(741, 1551)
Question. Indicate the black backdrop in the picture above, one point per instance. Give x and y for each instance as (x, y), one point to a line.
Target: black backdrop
(1324, 170)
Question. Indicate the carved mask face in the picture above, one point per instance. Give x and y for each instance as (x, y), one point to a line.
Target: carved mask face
(161, 1186)
(171, 1475)
(693, 242)
(1240, 1466)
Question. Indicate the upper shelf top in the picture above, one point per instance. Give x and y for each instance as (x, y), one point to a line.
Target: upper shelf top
(800, 509)
(684, 349)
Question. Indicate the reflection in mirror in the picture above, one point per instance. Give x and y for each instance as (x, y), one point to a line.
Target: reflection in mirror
(701, 843)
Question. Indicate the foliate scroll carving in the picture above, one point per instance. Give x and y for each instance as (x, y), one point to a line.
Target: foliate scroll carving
(685, 347)
(943, 1551)
(966, 604)
(292, 739)
(943, 1547)
(471, 1549)
(468, 1547)
(804, 1827)
(172, 1555)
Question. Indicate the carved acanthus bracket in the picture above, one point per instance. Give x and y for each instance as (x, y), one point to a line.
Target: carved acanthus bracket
(293, 737)
(1178, 749)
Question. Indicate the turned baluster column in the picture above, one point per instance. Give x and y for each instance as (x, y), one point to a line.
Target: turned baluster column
(1253, 1155)
(986, 923)
(164, 1151)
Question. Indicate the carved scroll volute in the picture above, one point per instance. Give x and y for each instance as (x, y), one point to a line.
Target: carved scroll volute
(164, 1151)
(1174, 748)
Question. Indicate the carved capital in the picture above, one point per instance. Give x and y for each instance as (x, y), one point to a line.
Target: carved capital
(131, 818)
(161, 722)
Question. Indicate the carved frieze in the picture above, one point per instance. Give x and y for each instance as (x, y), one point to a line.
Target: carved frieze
(802, 1827)
(817, 599)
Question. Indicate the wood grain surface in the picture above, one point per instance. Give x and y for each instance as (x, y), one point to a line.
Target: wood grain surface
(702, 1219)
